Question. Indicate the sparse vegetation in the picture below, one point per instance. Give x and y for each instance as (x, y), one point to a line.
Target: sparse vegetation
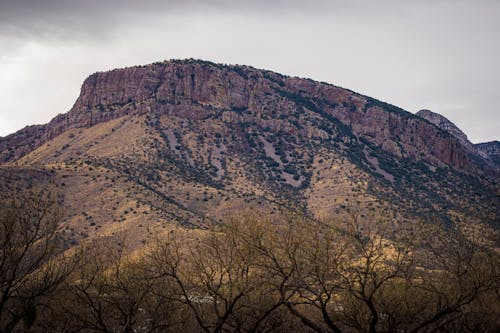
(32, 263)
(171, 164)
(251, 274)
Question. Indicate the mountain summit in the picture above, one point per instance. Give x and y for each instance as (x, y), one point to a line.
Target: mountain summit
(490, 151)
(191, 141)
(200, 88)
(445, 124)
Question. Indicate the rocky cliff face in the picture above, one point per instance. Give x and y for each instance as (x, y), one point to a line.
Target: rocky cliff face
(487, 151)
(490, 149)
(445, 124)
(191, 141)
(198, 89)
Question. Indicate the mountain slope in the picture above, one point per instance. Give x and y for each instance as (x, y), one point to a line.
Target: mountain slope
(487, 152)
(446, 125)
(200, 90)
(491, 150)
(191, 142)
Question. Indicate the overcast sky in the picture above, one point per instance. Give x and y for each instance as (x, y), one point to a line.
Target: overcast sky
(443, 55)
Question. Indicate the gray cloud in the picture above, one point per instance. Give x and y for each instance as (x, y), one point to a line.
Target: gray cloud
(58, 17)
(442, 55)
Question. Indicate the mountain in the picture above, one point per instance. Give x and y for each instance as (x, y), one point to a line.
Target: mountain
(446, 125)
(190, 142)
(488, 151)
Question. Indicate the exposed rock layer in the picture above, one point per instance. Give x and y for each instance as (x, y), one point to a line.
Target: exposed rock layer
(445, 124)
(191, 141)
(487, 150)
(200, 89)
(490, 149)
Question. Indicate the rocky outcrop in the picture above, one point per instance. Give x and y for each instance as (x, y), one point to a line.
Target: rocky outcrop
(22, 142)
(446, 125)
(491, 150)
(198, 89)
(488, 151)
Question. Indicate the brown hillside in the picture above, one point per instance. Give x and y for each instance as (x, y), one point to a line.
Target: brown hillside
(189, 143)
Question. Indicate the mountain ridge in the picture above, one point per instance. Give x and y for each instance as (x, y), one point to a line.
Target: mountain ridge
(145, 85)
(445, 124)
(191, 142)
(485, 150)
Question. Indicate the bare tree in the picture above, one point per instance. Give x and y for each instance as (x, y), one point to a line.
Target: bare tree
(220, 281)
(303, 258)
(112, 291)
(257, 274)
(31, 262)
(377, 262)
(456, 271)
